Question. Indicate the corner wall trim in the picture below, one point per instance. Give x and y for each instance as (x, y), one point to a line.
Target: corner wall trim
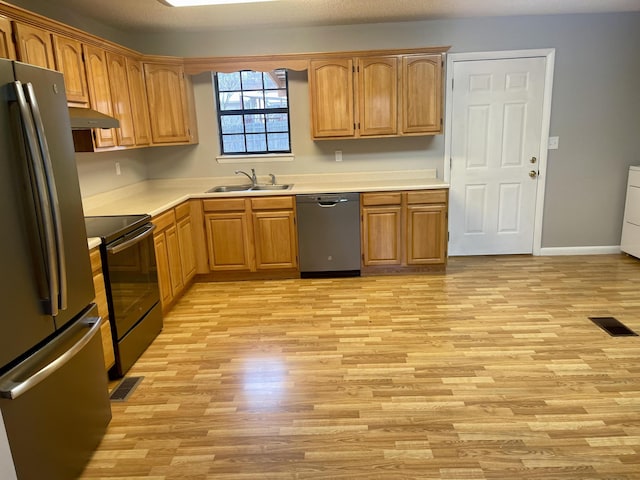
(597, 250)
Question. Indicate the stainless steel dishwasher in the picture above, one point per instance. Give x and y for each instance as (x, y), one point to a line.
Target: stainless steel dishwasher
(329, 234)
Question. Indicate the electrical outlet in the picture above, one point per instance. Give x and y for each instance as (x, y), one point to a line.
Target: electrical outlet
(118, 171)
(553, 143)
(338, 155)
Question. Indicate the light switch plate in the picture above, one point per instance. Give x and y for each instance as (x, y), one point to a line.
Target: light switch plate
(553, 143)
(338, 155)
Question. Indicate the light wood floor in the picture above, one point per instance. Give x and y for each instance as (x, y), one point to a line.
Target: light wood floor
(492, 371)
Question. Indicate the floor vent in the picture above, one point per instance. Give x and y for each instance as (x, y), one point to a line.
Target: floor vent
(613, 327)
(125, 388)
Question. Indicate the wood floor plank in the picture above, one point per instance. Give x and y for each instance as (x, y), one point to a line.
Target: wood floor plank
(490, 371)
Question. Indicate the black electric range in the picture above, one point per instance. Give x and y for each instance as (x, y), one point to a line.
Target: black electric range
(131, 282)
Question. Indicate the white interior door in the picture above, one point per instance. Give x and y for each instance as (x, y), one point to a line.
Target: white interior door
(496, 129)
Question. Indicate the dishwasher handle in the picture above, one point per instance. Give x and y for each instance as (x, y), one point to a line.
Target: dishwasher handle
(331, 203)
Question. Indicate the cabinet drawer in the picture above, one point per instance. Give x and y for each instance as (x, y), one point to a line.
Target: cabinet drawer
(427, 196)
(223, 204)
(96, 261)
(182, 210)
(391, 198)
(164, 220)
(272, 203)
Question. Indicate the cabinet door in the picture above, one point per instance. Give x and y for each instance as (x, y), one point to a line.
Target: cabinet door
(68, 55)
(381, 235)
(228, 241)
(422, 94)
(426, 234)
(139, 106)
(7, 50)
(168, 110)
(34, 45)
(275, 239)
(187, 253)
(175, 269)
(99, 91)
(162, 264)
(120, 100)
(331, 92)
(378, 96)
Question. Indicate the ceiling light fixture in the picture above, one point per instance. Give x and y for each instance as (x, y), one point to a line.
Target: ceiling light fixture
(197, 3)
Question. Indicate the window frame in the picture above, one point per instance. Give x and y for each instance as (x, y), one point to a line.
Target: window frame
(254, 111)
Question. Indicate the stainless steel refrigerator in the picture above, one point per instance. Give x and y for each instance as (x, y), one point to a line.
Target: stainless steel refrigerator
(54, 403)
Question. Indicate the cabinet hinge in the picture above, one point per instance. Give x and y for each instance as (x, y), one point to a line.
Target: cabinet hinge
(450, 163)
(452, 84)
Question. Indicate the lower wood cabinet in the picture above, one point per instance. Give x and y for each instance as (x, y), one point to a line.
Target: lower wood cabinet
(254, 234)
(175, 257)
(103, 308)
(404, 230)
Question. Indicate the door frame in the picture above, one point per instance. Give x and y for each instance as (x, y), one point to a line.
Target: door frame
(549, 54)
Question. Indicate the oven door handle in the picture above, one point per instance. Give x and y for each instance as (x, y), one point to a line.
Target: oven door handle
(128, 243)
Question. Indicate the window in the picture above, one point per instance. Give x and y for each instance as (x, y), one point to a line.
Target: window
(253, 112)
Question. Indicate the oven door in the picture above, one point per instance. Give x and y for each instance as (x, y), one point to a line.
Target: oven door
(132, 278)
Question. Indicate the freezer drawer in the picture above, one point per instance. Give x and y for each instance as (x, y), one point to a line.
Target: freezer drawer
(55, 405)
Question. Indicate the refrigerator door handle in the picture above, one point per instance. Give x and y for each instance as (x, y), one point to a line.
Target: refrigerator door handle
(53, 195)
(37, 171)
(52, 357)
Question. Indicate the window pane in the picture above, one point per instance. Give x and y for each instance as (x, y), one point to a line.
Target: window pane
(251, 80)
(278, 142)
(256, 143)
(231, 124)
(275, 99)
(233, 144)
(228, 81)
(277, 122)
(254, 123)
(229, 101)
(253, 100)
(250, 104)
(273, 79)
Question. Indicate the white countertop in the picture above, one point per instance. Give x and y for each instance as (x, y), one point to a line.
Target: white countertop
(156, 196)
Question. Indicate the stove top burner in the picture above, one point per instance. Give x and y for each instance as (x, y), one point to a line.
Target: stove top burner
(111, 227)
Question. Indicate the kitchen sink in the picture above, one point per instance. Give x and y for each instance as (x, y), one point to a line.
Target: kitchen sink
(247, 188)
(284, 186)
(229, 188)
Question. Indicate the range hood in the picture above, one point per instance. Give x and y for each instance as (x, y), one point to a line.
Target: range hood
(85, 118)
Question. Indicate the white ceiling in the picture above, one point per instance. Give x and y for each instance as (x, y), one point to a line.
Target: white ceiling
(151, 15)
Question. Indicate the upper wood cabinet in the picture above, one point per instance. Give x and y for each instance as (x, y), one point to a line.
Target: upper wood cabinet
(99, 91)
(376, 96)
(332, 98)
(421, 94)
(69, 61)
(7, 49)
(120, 98)
(34, 45)
(139, 104)
(168, 107)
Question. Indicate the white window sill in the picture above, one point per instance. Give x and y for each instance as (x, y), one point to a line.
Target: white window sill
(271, 157)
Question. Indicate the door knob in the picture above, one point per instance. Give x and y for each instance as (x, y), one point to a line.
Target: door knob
(533, 174)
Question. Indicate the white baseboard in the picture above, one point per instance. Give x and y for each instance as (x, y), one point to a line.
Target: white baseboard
(601, 250)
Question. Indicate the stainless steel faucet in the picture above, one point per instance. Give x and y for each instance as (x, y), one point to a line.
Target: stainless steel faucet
(252, 177)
